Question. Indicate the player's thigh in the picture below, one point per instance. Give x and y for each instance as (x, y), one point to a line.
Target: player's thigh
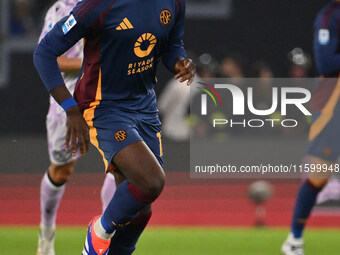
(324, 146)
(320, 179)
(139, 165)
(111, 138)
(119, 176)
(324, 136)
(121, 145)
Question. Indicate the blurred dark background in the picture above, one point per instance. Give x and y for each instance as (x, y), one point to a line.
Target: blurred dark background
(252, 31)
(225, 38)
(245, 31)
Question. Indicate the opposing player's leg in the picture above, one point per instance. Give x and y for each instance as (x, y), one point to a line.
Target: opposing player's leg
(51, 192)
(305, 202)
(307, 195)
(108, 189)
(324, 150)
(53, 183)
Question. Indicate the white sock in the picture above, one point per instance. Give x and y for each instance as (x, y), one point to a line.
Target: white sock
(50, 197)
(100, 231)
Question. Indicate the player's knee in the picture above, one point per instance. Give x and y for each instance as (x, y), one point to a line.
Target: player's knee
(60, 174)
(318, 183)
(157, 185)
(153, 185)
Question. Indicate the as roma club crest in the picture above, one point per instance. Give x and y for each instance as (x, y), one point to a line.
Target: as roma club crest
(120, 135)
(165, 17)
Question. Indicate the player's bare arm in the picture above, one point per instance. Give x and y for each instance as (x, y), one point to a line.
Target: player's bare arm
(77, 129)
(69, 64)
(185, 69)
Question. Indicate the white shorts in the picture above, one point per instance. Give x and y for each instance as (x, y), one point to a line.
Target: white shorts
(56, 134)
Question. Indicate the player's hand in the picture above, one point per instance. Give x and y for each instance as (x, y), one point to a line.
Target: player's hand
(77, 132)
(185, 69)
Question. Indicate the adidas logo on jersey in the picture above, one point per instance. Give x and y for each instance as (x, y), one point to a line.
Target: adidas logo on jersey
(125, 24)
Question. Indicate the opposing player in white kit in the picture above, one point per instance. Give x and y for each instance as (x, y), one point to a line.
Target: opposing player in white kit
(62, 162)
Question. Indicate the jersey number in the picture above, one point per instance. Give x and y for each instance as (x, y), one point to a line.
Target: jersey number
(160, 144)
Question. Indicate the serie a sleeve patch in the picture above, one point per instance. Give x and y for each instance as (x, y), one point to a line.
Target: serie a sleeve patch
(324, 36)
(69, 24)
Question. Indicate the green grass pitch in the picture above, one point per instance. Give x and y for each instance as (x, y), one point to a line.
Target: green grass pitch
(178, 241)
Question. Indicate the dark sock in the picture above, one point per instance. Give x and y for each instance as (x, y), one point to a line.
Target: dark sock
(125, 205)
(125, 239)
(304, 204)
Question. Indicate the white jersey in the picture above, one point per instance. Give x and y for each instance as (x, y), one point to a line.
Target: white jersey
(58, 11)
(56, 117)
